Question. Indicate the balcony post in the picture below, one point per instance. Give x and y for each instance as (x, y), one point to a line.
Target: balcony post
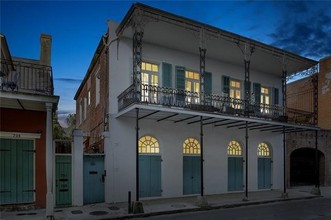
(247, 52)
(284, 194)
(202, 74)
(315, 87)
(202, 50)
(137, 52)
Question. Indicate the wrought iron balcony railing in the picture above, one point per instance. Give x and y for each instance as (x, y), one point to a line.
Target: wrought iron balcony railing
(169, 97)
(26, 77)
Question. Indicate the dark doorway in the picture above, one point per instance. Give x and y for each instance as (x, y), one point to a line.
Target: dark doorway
(302, 167)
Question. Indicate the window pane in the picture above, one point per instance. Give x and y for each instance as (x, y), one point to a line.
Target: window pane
(143, 66)
(148, 66)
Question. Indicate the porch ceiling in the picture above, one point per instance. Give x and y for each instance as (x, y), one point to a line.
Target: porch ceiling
(15, 100)
(175, 32)
(179, 115)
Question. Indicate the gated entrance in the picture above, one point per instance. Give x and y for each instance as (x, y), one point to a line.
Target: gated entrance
(16, 171)
(94, 179)
(63, 176)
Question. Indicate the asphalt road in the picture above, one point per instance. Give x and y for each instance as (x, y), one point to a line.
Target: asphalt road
(318, 208)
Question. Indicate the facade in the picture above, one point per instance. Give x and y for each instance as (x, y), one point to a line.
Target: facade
(301, 152)
(27, 103)
(92, 101)
(193, 109)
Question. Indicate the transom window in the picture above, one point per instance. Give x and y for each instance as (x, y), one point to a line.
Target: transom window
(234, 149)
(149, 76)
(148, 145)
(263, 150)
(191, 146)
(192, 84)
(235, 89)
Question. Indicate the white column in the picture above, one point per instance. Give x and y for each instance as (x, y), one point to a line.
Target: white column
(49, 163)
(107, 151)
(77, 168)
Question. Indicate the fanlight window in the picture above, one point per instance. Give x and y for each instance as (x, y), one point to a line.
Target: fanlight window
(191, 146)
(234, 149)
(263, 150)
(148, 145)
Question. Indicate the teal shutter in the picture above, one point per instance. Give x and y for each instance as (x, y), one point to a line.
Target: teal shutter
(180, 77)
(257, 92)
(166, 75)
(180, 85)
(276, 96)
(226, 85)
(208, 83)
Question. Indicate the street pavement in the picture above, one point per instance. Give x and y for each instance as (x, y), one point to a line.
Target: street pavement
(167, 205)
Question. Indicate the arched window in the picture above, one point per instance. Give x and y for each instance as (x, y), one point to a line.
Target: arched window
(191, 146)
(263, 150)
(149, 145)
(234, 149)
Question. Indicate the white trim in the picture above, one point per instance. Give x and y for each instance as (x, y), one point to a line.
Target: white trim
(19, 135)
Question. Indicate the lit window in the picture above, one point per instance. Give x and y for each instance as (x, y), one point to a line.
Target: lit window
(192, 84)
(191, 146)
(265, 100)
(263, 150)
(148, 145)
(234, 149)
(150, 77)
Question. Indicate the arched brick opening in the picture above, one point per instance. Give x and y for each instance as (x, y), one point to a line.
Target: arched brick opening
(302, 167)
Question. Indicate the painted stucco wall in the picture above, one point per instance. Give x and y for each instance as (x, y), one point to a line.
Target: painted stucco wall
(26, 121)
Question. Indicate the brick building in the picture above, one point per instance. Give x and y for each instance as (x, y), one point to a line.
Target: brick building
(301, 145)
(92, 101)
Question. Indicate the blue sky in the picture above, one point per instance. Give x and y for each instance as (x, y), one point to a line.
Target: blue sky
(302, 27)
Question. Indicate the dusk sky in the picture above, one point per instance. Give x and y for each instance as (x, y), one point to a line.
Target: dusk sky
(302, 27)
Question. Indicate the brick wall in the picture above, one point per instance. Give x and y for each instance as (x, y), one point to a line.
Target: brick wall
(324, 94)
(93, 125)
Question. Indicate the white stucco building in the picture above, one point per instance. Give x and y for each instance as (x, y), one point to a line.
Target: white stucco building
(193, 109)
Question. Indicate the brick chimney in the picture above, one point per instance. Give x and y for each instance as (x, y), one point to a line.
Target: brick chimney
(45, 49)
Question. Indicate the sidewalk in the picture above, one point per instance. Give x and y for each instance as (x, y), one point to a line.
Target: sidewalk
(165, 206)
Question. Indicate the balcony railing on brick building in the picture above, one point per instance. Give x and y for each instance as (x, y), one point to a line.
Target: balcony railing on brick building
(216, 104)
(26, 77)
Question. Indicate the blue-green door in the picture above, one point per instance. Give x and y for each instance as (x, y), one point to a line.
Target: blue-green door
(63, 180)
(264, 173)
(191, 175)
(235, 173)
(149, 176)
(94, 179)
(16, 171)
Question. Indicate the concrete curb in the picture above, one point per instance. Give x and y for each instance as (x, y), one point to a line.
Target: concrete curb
(247, 203)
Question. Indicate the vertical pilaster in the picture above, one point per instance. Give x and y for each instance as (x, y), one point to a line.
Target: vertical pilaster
(49, 162)
(284, 74)
(246, 161)
(137, 154)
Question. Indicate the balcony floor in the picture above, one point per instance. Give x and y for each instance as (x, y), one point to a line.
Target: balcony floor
(180, 115)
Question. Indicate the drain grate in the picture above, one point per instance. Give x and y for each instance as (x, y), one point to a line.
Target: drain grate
(99, 213)
(76, 212)
(113, 208)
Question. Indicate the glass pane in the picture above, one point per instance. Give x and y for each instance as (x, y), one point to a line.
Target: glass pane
(148, 66)
(145, 78)
(267, 100)
(143, 66)
(196, 76)
(197, 87)
(238, 94)
(190, 75)
(188, 85)
(232, 83)
(155, 68)
(232, 93)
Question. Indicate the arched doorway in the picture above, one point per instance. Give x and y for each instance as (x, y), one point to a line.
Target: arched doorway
(264, 162)
(235, 166)
(191, 166)
(302, 167)
(149, 167)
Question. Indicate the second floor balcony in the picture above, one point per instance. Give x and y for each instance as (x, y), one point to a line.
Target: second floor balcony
(211, 103)
(27, 77)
